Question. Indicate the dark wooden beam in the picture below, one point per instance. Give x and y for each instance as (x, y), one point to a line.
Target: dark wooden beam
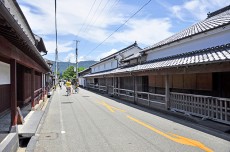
(167, 93)
(9, 51)
(32, 88)
(13, 89)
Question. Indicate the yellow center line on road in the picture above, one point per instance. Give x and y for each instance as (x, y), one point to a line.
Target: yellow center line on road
(174, 137)
(110, 108)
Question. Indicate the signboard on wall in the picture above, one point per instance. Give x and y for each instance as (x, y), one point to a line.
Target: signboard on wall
(4, 73)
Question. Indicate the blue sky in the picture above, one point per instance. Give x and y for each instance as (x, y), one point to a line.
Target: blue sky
(157, 21)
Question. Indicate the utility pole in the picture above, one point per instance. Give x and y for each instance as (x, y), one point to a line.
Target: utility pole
(56, 51)
(76, 60)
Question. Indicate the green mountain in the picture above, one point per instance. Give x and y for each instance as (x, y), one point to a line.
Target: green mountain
(64, 65)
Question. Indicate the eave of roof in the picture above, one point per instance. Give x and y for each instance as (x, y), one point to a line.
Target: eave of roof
(114, 55)
(23, 37)
(205, 56)
(122, 50)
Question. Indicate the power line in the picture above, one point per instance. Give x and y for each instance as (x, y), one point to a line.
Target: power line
(119, 27)
(86, 17)
(102, 10)
(93, 16)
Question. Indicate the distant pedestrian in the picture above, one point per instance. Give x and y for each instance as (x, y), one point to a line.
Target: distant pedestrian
(68, 87)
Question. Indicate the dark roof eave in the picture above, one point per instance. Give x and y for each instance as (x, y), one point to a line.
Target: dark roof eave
(18, 29)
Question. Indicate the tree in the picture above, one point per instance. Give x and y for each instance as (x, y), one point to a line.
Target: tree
(81, 69)
(69, 72)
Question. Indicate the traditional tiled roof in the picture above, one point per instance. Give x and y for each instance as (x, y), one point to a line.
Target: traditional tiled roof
(39, 43)
(204, 56)
(15, 28)
(215, 20)
(114, 54)
(136, 55)
(121, 51)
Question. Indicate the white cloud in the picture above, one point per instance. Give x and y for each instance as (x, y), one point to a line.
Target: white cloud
(62, 47)
(196, 10)
(71, 15)
(70, 58)
(105, 54)
(86, 58)
(145, 31)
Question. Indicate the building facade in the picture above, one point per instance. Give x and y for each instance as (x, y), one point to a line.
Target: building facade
(188, 72)
(22, 68)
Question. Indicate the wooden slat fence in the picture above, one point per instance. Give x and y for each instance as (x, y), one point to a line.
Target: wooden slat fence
(214, 108)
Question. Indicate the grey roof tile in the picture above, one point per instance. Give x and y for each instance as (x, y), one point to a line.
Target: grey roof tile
(209, 55)
(212, 22)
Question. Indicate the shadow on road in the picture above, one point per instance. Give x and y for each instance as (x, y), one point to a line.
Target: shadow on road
(206, 126)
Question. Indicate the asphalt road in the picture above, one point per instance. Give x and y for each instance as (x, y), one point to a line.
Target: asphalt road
(88, 122)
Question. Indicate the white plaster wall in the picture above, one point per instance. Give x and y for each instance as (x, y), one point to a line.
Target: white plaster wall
(4, 73)
(112, 63)
(81, 81)
(204, 41)
(131, 51)
(105, 66)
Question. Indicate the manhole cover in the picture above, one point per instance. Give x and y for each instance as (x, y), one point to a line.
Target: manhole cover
(66, 102)
(48, 136)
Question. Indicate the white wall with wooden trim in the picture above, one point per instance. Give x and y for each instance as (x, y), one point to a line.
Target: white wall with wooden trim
(4, 73)
(205, 40)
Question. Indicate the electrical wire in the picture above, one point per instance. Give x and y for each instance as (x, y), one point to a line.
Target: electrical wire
(93, 16)
(86, 18)
(119, 27)
(102, 10)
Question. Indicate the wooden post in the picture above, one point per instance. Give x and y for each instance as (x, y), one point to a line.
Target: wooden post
(43, 87)
(167, 92)
(134, 90)
(113, 84)
(119, 85)
(32, 88)
(106, 85)
(13, 89)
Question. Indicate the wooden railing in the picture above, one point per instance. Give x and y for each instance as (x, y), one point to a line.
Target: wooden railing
(123, 92)
(209, 107)
(110, 89)
(97, 87)
(37, 95)
(150, 97)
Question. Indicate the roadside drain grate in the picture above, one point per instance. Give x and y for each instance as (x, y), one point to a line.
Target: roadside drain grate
(48, 136)
(66, 102)
(85, 96)
(23, 142)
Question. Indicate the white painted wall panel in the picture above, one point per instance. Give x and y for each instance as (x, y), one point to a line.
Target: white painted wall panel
(192, 45)
(112, 63)
(4, 73)
(82, 81)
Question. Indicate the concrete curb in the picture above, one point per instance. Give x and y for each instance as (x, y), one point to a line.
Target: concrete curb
(10, 143)
(34, 139)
